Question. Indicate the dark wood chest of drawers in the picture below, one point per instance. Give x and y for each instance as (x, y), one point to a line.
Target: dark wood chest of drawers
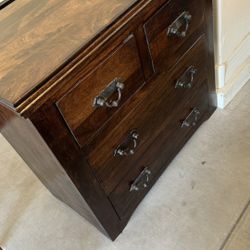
(100, 129)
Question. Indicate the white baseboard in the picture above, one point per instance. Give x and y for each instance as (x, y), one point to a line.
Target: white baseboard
(232, 75)
(226, 94)
(220, 73)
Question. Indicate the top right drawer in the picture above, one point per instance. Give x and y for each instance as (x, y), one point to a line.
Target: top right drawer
(173, 29)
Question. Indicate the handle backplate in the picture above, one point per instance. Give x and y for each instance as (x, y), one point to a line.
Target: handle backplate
(187, 78)
(192, 119)
(180, 26)
(141, 181)
(104, 99)
(129, 146)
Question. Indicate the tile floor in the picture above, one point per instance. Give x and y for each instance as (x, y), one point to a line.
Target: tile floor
(201, 202)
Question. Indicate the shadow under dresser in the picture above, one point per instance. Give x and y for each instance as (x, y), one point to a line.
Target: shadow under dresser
(99, 97)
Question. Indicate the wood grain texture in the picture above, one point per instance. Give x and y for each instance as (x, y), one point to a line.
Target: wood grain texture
(159, 97)
(50, 125)
(161, 151)
(76, 106)
(165, 49)
(26, 140)
(86, 58)
(52, 46)
(37, 37)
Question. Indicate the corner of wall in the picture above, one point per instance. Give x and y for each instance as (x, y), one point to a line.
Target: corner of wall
(231, 89)
(220, 74)
(233, 74)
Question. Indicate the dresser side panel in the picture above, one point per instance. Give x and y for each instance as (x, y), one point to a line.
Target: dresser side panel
(28, 143)
(51, 126)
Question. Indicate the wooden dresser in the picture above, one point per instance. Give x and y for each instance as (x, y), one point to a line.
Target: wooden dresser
(99, 96)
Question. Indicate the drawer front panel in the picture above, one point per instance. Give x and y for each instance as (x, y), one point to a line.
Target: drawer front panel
(96, 98)
(162, 96)
(173, 136)
(172, 29)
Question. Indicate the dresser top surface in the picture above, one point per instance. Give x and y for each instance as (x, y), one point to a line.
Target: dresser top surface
(37, 37)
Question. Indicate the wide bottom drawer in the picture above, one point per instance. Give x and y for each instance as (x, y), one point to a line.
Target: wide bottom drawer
(176, 130)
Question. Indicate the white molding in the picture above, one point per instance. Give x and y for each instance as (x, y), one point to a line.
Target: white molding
(232, 75)
(220, 101)
(218, 36)
(225, 95)
(220, 75)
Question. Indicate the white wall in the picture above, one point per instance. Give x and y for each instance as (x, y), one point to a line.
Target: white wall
(232, 47)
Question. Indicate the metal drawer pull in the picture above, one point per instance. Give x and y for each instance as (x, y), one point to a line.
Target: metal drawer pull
(141, 181)
(180, 26)
(192, 119)
(103, 99)
(128, 147)
(187, 79)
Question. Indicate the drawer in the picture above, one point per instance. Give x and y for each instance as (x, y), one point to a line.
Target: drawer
(159, 97)
(93, 100)
(176, 130)
(172, 30)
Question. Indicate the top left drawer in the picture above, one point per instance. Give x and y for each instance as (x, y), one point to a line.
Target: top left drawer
(93, 100)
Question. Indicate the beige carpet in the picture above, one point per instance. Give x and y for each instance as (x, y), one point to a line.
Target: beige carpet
(239, 239)
(197, 204)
